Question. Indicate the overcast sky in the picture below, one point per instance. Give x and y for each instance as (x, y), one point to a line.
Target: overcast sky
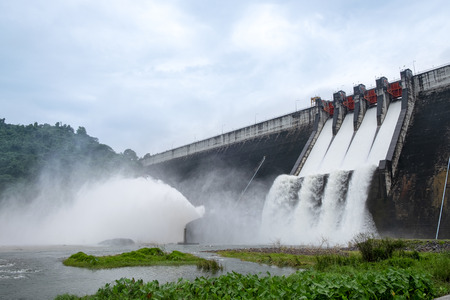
(152, 75)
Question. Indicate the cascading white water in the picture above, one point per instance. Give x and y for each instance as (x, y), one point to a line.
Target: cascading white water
(284, 198)
(356, 218)
(331, 207)
(336, 153)
(333, 204)
(319, 150)
(381, 146)
(142, 209)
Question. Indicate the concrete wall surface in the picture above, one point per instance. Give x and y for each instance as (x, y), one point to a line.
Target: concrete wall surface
(432, 79)
(287, 122)
(418, 187)
(411, 206)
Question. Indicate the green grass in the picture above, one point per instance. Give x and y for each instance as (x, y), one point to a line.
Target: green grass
(373, 256)
(275, 259)
(388, 273)
(141, 257)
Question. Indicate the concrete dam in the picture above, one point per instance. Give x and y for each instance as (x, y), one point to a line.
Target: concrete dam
(373, 161)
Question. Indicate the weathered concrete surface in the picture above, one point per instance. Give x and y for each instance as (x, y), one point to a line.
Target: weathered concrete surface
(229, 168)
(418, 186)
(406, 193)
(216, 179)
(291, 121)
(320, 120)
(383, 99)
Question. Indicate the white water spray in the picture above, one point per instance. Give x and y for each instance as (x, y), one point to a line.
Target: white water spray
(144, 210)
(331, 207)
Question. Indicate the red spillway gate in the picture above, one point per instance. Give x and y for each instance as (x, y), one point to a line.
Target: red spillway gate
(328, 107)
(395, 89)
(349, 103)
(371, 96)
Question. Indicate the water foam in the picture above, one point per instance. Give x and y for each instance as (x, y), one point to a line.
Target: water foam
(331, 210)
(331, 207)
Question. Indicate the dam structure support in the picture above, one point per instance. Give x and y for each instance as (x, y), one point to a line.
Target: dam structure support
(405, 192)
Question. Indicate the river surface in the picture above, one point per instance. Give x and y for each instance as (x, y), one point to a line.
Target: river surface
(37, 272)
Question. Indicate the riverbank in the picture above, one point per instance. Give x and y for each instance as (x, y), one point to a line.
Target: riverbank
(434, 246)
(411, 269)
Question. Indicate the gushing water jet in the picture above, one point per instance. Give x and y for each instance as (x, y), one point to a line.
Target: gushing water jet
(145, 210)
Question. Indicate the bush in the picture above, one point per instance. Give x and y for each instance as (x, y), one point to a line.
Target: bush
(209, 265)
(373, 250)
(441, 268)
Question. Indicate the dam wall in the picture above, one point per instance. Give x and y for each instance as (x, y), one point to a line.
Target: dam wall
(222, 166)
(287, 122)
(406, 190)
(406, 193)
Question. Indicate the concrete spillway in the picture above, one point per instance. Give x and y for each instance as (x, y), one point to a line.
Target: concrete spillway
(330, 203)
(406, 143)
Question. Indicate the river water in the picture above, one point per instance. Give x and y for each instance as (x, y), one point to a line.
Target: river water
(37, 272)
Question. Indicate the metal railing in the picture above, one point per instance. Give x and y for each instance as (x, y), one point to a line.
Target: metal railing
(443, 197)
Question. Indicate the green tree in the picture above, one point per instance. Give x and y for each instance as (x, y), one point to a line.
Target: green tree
(26, 151)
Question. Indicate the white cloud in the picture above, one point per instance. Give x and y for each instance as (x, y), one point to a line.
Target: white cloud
(265, 30)
(149, 75)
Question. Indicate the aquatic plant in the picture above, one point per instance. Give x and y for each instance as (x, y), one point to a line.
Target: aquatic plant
(141, 257)
(387, 284)
(209, 265)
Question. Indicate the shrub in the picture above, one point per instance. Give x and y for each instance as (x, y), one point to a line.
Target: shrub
(209, 265)
(376, 250)
(441, 268)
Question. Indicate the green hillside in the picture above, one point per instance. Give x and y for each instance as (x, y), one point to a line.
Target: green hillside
(28, 151)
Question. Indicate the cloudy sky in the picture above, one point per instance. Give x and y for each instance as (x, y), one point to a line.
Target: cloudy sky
(155, 74)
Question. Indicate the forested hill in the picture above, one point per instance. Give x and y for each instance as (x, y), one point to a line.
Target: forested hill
(28, 150)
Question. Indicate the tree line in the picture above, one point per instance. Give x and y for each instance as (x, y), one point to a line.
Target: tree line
(26, 151)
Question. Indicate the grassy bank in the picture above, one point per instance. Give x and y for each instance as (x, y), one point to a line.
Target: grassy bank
(367, 255)
(299, 261)
(375, 269)
(141, 257)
